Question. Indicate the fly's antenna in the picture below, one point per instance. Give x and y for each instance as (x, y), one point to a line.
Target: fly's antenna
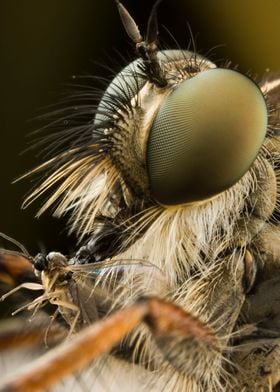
(146, 48)
(129, 24)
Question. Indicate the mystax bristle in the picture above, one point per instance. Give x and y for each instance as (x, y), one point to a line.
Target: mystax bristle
(205, 136)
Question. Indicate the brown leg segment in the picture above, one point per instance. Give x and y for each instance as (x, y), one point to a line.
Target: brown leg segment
(164, 318)
(18, 334)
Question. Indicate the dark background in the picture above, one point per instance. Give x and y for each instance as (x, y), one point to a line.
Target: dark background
(43, 43)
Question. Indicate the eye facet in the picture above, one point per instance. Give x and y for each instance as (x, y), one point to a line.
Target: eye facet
(205, 136)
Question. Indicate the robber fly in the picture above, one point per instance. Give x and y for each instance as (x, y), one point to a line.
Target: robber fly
(173, 188)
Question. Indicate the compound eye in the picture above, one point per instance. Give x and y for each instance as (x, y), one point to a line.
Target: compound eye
(205, 136)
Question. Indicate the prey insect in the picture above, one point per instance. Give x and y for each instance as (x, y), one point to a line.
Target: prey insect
(173, 188)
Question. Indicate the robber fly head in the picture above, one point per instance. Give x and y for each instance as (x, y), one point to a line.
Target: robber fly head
(188, 120)
(171, 129)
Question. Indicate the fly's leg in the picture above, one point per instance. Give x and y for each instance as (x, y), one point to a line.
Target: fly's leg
(171, 327)
(19, 334)
(28, 286)
(163, 318)
(65, 307)
(217, 299)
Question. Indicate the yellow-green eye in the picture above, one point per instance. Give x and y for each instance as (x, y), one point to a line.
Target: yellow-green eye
(205, 136)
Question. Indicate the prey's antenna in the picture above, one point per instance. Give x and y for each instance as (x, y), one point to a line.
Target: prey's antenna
(147, 49)
(16, 243)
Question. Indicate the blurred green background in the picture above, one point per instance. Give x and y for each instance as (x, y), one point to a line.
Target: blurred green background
(44, 43)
